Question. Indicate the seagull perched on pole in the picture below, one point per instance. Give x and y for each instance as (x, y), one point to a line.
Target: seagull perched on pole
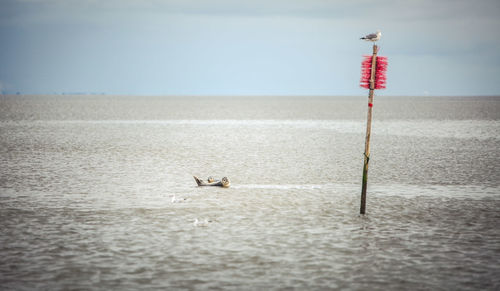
(373, 36)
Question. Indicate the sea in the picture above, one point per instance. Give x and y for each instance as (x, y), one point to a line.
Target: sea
(97, 193)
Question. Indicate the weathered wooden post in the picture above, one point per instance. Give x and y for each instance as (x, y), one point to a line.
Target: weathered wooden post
(372, 77)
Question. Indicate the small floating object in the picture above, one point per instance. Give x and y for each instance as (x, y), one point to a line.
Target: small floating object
(212, 182)
(201, 223)
(177, 200)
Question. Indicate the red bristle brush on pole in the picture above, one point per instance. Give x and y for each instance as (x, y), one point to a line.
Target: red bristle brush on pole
(373, 77)
(380, 69)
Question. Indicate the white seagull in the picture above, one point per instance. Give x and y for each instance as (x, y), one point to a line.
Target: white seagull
(373, 36)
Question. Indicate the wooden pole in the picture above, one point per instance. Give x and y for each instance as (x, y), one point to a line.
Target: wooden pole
(368, 131)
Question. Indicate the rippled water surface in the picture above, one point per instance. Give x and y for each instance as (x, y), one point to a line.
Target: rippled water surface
(96, 192)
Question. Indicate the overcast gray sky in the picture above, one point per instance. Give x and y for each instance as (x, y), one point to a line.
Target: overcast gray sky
(258, 47)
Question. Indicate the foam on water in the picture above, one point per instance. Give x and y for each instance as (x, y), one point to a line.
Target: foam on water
(449, 191)
(464, 129)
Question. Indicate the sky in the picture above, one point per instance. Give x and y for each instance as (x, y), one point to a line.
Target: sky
(241, 48)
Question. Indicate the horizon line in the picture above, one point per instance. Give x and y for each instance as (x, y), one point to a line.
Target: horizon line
(236, 95)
